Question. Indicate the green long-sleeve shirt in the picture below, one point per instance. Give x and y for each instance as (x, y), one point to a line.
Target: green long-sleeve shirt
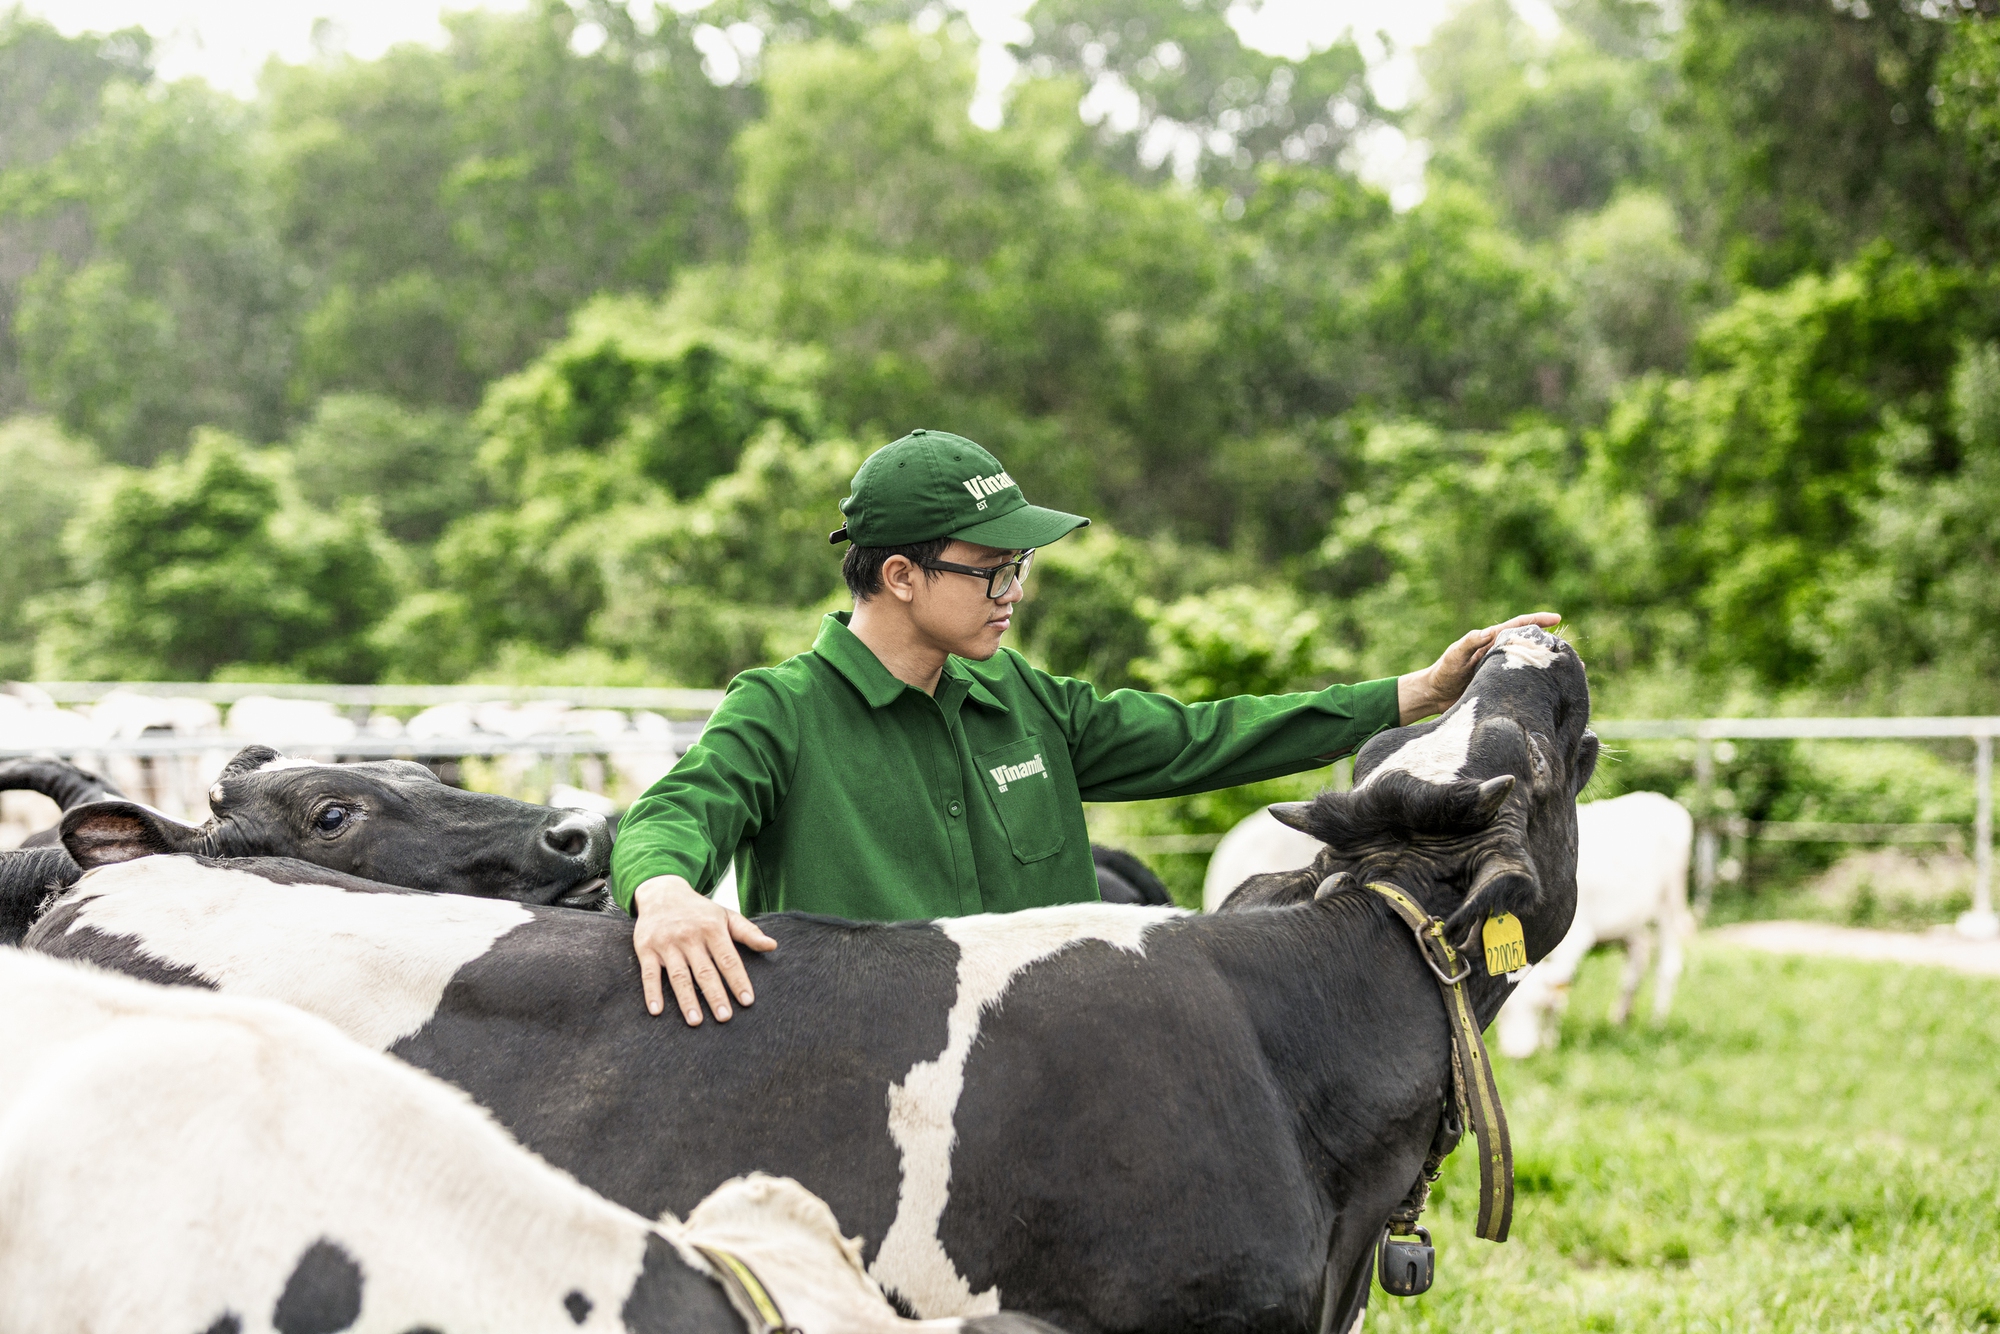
(844, 791)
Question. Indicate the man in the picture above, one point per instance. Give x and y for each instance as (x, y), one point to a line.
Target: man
(908, 766)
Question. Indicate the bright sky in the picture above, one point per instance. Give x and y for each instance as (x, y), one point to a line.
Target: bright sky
(228, 41)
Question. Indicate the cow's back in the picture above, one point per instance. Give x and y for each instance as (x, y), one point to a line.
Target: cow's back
(849, 1052)
(550, 1030)
(1632, 862)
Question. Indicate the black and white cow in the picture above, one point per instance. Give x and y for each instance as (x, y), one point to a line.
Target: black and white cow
(177, 1160)
(61, 782)
(1123, 878)
(386, 820)
(961, 1091)
(39, 868)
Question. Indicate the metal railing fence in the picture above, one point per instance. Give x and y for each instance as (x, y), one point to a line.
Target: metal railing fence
(1706, 732)
(660, 699)
(688, 708)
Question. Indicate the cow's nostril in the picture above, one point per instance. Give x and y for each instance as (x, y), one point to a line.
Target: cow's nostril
(580, 836)
(569, 840)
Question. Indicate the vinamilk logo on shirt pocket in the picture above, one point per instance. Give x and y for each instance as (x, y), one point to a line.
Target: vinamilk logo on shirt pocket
(1013, 773)
(1017, 777)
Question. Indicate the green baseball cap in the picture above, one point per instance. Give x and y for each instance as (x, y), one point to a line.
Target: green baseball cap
(936, 484)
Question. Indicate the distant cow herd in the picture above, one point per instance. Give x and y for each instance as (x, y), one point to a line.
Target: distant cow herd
(363, 1051)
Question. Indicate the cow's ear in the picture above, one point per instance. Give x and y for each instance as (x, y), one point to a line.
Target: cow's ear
(99, 833)
(1586, 762)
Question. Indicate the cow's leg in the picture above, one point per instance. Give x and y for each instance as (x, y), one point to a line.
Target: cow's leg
(1519, 1029)
(1638, 953)
(1552, 977)
(1671, 961)
(1344, 1313)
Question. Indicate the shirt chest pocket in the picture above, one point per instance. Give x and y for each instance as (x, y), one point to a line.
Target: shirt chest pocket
(1017, 781)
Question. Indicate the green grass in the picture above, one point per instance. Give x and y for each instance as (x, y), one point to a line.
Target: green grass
(1809, 1145)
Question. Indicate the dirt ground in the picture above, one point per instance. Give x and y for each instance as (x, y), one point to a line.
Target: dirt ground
(1940, 946)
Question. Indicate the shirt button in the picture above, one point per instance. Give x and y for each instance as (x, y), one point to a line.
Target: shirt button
(955, 810)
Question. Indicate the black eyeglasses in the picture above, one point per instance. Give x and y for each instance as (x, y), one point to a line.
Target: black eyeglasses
(1000, 580)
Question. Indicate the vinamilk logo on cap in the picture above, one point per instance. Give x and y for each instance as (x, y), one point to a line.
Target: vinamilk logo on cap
(982, 487)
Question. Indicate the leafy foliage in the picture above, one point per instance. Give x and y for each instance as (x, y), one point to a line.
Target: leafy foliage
(51, 91)
(1811, 130)
(1690, 338)
(1203, 97)
(1237, 641)
(633, 396)
(1547, 134)
(460, 204)
(1753, 473)
(735, 578)
(177, 314)
(1084, 613)
(47, 473)
(216, 561)
(418, 465)
(1915, 613)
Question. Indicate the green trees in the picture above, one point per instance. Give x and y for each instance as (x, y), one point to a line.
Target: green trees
(51, 91)
(454, 207)
(176, 311)
(623, 463)
(1811, 129)
(1000, 280)
(1207, 104)
(47, 475)
(1913, 619)
(1754, 473)
(1691, 337)
(417, 465)
(1547, 131)
(215, 561)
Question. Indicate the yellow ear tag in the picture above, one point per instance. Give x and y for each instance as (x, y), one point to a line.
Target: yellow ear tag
(1506, 950)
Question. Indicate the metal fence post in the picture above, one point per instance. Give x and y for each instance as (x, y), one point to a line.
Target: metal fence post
(1704, 837)
(1981, 923)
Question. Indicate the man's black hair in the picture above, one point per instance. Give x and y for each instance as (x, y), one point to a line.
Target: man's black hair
(861, 567)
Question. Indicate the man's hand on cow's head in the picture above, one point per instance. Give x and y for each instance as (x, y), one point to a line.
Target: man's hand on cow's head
(693, 940)
(1438, 686)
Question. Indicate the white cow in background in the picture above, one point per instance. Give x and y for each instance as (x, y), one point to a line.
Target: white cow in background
(1257, 845)
(1631, 887)
(176, 1159)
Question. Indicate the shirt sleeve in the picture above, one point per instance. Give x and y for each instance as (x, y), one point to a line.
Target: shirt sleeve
(719, 794)
(1133, 746)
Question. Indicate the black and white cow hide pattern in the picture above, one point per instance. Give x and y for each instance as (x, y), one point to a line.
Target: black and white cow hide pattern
(962, 1092)
(176, 1159)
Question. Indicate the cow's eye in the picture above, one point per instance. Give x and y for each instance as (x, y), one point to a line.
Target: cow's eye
(331, 819)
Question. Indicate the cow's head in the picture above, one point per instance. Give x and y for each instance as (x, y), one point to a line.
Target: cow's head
(388, 820)
(1473, 813)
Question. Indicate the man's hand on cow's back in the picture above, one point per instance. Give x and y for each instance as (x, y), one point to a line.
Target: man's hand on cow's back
(693, 940)
(1438, 686)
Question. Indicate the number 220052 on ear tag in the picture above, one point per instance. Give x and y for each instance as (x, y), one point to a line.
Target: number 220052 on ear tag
(1506, 951)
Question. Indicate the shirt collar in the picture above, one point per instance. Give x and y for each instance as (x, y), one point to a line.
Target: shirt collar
(856, 661)
(839, 646)
(976, 689)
